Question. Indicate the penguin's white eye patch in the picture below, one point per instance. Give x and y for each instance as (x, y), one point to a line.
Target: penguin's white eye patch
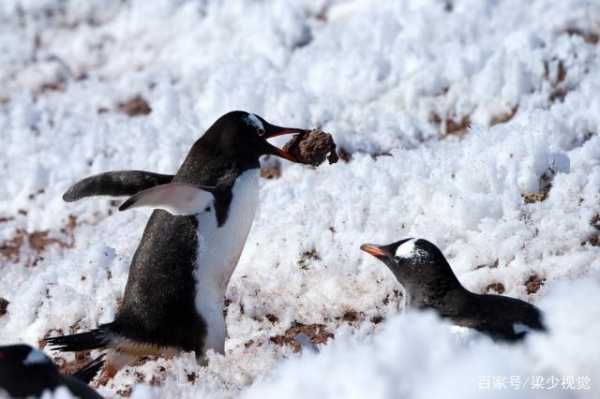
(407, 249)
(520, 328)
(255, 122)
(35, 357)
(410, 250)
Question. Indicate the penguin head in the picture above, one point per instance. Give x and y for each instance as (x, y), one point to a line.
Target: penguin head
(24, 356)
(26, 371)
(242, 135)
(417, 263)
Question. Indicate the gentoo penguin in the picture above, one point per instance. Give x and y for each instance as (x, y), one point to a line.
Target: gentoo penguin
(179, 273)
(27, 372)
(430, 283)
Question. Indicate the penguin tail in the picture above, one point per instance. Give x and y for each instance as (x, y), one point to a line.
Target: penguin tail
(89, 371)
(96, 339)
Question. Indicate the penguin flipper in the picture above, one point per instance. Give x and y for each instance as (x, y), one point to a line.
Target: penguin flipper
(89, 371)
(175, 198)
(116, 183)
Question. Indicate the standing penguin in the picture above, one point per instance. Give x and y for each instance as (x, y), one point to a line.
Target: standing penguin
(27, 372)
(178, 276)
(430, 283)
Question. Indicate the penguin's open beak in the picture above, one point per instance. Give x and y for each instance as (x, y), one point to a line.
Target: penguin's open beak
(274, 131)
(374, 250)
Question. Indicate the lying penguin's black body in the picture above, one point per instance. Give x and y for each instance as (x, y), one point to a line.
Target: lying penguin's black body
(430, 283)
(175, 291)
(27, 372)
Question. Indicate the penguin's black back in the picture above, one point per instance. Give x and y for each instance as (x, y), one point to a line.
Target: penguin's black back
(498, 316)
(159, 302)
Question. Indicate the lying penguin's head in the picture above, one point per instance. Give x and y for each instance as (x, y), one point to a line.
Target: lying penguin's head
(24, 356)
(242, 135)
(417, 263)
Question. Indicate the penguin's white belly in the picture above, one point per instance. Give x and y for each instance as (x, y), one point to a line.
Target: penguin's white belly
(219, 249)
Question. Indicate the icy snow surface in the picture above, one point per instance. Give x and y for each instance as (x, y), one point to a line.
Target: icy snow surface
(453, 112)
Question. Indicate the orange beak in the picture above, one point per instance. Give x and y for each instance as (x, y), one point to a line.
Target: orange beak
(274, 131)
(374, 250)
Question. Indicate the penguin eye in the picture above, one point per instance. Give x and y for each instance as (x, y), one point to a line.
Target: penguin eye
(397, 259)
(256, 123)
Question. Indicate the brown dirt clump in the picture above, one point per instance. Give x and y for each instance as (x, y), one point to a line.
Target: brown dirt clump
(271, 170)
(344, 155)
(351, 316)
(312, 148)
(532, 197)
(307, 258)
(11, 249)
(37, 241)
(545, 184)
(534, 283)
(317, 333)
(594, 239)
(587, 36)
(495, 287)
(135, 106)
(451, 126)
(503, 118)
(272, 318)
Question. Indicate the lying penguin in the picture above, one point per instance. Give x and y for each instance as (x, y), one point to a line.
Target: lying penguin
(27, 372)
(430, 283)
(175, 292)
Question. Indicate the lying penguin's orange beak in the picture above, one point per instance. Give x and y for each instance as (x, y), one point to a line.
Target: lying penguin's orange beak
(274, 131)
(374, 250)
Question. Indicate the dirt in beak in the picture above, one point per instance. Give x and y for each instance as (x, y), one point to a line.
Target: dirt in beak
(312, 148)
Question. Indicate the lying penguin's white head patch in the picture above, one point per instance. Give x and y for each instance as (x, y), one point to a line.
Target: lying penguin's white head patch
(35, 357)
(406, 249)
(520, 328)
(410, 250)
(255, 122)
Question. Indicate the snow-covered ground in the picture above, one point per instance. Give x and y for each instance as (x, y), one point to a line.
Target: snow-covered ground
(474, 124)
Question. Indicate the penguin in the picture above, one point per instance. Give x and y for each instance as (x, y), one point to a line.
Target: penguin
(429, 283)
(27, 372)
(175, 291)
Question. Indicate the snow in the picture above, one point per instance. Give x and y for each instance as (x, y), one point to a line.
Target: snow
(394, 82)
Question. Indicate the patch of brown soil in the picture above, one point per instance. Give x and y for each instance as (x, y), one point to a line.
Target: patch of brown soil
(317, 333)
(594, 238)
(272, 170)
(503, 118)
(451, 125)
(532, 197)
(307, 258)
(272, 318)
(534, 283)
(588, 36)
(497, 288)
(37, 241)
(545, 184)
(135, 106)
